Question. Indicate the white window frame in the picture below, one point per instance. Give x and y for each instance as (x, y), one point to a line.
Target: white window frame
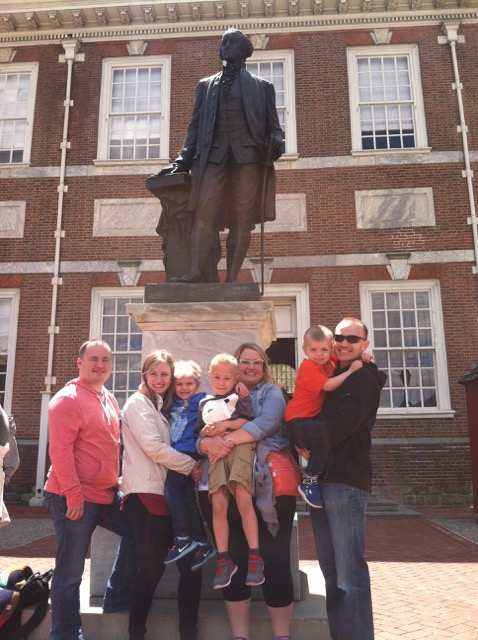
(14, 296)
(32, 68)
(287, 58)
(410, 50)
(98, 295)
(443, 408)
(109, 66)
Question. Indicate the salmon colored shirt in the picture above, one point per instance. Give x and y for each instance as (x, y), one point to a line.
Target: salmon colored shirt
(309, 395)
(84, 444)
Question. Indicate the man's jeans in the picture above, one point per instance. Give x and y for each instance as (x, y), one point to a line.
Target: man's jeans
(339, 532)
(72, 541)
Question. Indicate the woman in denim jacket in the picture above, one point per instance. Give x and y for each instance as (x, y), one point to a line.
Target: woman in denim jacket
(275, 515)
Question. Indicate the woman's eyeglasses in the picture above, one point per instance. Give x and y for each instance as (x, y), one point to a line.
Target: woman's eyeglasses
(350, 339)
(251, 363)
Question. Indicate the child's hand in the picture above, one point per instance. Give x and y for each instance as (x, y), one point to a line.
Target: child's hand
(214, 429)
(303, 453)
(241, 390)
(367, 357)
(356, 364)
(197, 471)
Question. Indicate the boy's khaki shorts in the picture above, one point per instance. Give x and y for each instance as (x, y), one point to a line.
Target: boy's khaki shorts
(236, 467)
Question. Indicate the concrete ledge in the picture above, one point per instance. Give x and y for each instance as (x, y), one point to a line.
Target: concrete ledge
(309, 620)
(104, 545)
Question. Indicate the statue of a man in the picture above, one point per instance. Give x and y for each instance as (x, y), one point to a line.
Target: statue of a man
(232, 140)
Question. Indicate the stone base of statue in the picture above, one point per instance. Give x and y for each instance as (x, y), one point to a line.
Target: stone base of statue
(198, 330)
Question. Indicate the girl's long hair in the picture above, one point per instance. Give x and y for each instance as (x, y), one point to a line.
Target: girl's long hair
(154, 358)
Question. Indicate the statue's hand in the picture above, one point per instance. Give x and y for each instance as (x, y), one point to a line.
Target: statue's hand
(179, 167)
(176, 167)
(274, 144)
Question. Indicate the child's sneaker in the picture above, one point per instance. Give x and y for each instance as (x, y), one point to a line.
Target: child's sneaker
(204, 552)
(181, 547)
(224, 571)
(309, 490)
(255, 573)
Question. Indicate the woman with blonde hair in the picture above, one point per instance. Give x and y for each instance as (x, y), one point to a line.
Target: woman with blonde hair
(147, 457)
(275, 516)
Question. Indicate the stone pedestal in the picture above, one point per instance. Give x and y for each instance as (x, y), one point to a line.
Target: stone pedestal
(200, 330)
(193, 331)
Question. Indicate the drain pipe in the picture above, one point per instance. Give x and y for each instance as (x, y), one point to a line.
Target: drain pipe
(452, 37)
(69, 57)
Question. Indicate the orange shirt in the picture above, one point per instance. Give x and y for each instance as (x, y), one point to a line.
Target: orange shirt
(308, 392)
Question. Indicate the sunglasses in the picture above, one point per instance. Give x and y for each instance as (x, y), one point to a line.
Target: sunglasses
(251, 363)
(350, 339)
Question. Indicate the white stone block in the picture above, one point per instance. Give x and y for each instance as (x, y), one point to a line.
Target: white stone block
(12, 218)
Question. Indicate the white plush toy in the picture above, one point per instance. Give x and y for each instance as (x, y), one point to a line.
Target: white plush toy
(218, 409)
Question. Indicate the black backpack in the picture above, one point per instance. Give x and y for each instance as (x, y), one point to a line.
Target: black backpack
(31, 591)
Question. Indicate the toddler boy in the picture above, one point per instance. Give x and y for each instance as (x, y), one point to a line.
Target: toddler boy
(314, 378)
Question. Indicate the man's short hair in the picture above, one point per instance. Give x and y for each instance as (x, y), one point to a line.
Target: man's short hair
(90, 343)
(356, 321)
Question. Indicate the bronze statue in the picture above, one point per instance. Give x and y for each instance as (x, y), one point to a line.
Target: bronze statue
(175, 224)
(232, 140)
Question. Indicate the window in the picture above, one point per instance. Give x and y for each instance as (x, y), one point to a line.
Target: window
(386, 99)
(134, 109)
(9, 300)
(406, 336)
(278, 67)
(17, 101)
(111, 322)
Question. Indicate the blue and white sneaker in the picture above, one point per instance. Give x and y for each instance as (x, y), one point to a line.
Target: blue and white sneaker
(204, 552)
(181, 547)
(309, 490)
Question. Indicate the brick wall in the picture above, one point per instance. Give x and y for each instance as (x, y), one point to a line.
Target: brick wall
(411, 473)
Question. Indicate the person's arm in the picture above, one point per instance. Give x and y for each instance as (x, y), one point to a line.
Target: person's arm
(65, 418)
(266, 422)
(241, 390)
(336, 381)
(358, 398)
(11, 461)
(274, 133)
(220, 428)
(140, 418)
(185, 157)
(4, 430)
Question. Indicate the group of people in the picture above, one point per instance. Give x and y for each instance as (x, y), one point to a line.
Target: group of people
(183, 449)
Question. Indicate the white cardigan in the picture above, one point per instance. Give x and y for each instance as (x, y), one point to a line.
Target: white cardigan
(147, 452)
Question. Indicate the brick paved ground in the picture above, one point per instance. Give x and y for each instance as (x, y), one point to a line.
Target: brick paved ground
(424, 578)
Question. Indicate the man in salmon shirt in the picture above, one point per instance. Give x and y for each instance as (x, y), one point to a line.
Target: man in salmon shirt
(81, 488)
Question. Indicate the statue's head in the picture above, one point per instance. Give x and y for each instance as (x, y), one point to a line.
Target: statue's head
(235, 46)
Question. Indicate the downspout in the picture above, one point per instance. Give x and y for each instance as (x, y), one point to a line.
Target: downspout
(452, 37)
(70, 56)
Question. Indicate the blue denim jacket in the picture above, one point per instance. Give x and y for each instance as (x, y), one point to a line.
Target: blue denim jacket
(269, 406)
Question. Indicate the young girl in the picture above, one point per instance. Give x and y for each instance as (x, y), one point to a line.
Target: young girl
(188, 528)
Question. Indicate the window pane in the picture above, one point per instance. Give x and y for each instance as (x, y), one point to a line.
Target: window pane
(385, 102)
(134, 119)
(126, 340)
(403, 347)
(14, 103)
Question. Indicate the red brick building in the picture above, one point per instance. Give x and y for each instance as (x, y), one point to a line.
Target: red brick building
(376, 198)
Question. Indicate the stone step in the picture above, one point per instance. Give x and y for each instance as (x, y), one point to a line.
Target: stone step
(104, 545)
(309, 621)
